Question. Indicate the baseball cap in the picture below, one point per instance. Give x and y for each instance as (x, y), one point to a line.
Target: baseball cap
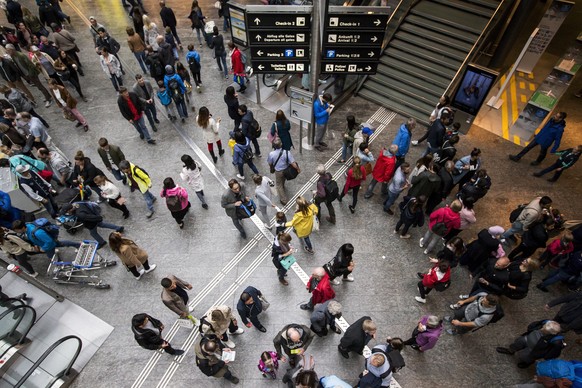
(22, 168)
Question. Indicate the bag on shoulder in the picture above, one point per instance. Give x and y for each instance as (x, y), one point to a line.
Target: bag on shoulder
(514, 215)
(442, 286)
(255, 129)
(274, 137)
(498, 314)
(194, 65)
(248, 155)
(331, 190)
(264, 302)
(174, 87)
(51, 229)
(136, 167)
(290, 172)
(174, 203)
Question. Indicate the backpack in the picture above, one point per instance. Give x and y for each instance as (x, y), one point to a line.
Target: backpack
(196, 20)
(139, 168)
(394, 358)
(514, 215)
(243, 57)
(156, 68)
(331, 190)
(194, 65)
(558, 369)
(440, 228)
(203, 322)
(497, 314)
(51, 229)
(174, 203)
(255, 129)
(174, 88)
(248, 155)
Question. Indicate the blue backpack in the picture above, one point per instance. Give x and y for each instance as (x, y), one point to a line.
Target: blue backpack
(51, 229)
(557, 369)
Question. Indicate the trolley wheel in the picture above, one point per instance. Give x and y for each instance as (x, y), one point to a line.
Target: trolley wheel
(110, 263)
(72, 231)
(102, 286)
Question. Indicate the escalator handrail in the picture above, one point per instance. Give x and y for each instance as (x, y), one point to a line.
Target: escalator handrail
(5, 313)
(38, 362)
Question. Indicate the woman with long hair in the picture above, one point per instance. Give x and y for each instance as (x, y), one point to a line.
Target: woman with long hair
(348, 140)
(111, 194)
(191, 173)
(132, 256)
(150, 32)
(185, 75)
(137, 18)
(85, 172)
(302, 222)
(356, 175)
(197, 19)
(176, 200)
(231, 100)
(68, 70)
(280, 250)
(210, 129)
(281, 129)
(411, 214)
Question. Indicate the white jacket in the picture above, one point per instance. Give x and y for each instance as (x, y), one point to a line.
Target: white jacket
(193, 177)
(109, 190)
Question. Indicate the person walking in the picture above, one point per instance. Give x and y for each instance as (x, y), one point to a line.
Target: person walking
(438, 277)
(176, 200)
(111, 156)
(231, 200)
(138, 179)
(411, 214)
(321, 110)
(231, 100)
(193, 61)
(12, 76)
(342, 264)
(209, 352)
(89, 213)
(293, 340)
(383, 170)
(93, 28)
(132, 109)
(154, 63)
(166, 101)
(131, 255)
(68, 70)
(175, 297)
(84, 172)
(243, 154)
(249, 127)
(426, 333)
(441, 222)
(169, 20)
(137, 47)
(280, 250)
(150, 32)
(210, 129)
(65, 41)
(249, 307)
(357, 336)
(279, 160)
(111, 194)
(529, 214)
(147, 331)
(145, 92)
(112, 67)
(302, 222)
(67, 103)
(355, 176)
(238, 66)
(191, 174)
(319, 287)
(197, 19)
(567, 158)
(29, 71)
(217, 321)
(326, 192)
(281, 130)
(177, 90)
(324, 315)
(47, 242)
(20, 103)
(398, 185)
(217, 43)
(33, 127)
(551, 133)
(403, 139)
(37, 189)
(348, 139)
(59, 165)
(15, 246)
(263, 196)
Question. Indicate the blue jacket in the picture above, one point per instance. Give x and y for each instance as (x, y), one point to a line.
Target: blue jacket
(40, 238)
(12, 213)
(239, 150)
(402, 140)
(164, 97)
(551, 133)
(192, 54)
(175, 76)
(319, 110)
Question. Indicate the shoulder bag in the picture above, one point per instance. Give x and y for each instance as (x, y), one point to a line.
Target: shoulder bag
(290, 172)
(274, 137)
(288, 261)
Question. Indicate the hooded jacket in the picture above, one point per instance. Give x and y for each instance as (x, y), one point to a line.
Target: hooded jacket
(402, 140)
(385, 166)
(322, 292)
(426, 183)
(178, 191)
(551, 133)
(451, 219)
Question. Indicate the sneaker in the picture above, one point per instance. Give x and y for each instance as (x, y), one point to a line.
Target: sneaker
(395, 232)
(155, 129)
(514, 158)
(150, 214)
(406, 236)
(234, 380)
(335, 281)
(33, 275)
(141, 273)
(47, 103)
(414, 142)
(229, 344)
(238, 331)
(152, 267)
(305, 307)
(419, 299)
(239, 176)
(352, 209)
(120, 230)
(349, 278)
(421, 242)
(455, 306)
(542, 288)
(308, 250)
(151, 141)
(452, 332)
(205, 206)
(425, 252)
(156, 121)
(178, 352)
(464, 296)
(191, 309)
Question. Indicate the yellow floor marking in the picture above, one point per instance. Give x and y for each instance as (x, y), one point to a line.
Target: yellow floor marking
(523, 98)
(504, 120)
(521, 85)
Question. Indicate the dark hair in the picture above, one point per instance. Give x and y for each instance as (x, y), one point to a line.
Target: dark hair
(122, 89)
(104, 49)
(116, 241)
(351, 122)
(43, 151)
(396, 343)
(476, 152)
(215, 30)
(80, 156)
(444, 265)
(203, 117)
(138, 319)
(240, 138)
(265, 356)
(493, 300)
(404, 165)
(363, 146)
(469, 202)
(243, 108)
(18, 224)
(103, 142)
(327, 97)
(166, 282)
(564, 115)
(307, 378)
(280, 116)
(458, 244)
(454, 139)
(245, 296)
(230, 91)
(190, 47)
(189, 163)
(130, 31)
(545, 200)
(138, 76)
(169, 183)
(101, 29)
(232, 182)
(457, 125)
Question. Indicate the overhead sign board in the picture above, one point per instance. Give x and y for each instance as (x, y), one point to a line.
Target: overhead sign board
(238, 29)
(279, 20)
(352, 53)
(353, 38)
(357, 21)
(280, 52)
(278, 37)
(280, 66)
(301, 104)
(354, 67)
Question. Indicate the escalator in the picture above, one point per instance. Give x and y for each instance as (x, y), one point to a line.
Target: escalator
(16, 320)
(433, 42)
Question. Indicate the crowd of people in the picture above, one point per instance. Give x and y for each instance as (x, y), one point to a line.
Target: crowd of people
(438, 190)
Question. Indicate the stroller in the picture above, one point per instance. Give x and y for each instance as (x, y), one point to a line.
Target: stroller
(68, 196)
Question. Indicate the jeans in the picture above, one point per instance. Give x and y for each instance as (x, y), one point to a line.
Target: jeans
(553, 167)
(221, 62)
(255, 145)
(529, 147)
(118, 174)
(372, 186)
(226, 23)
(239, 227)
(151, 114)
(171, 112)
(392, 197)
(62, 243)
(346, 148)
(149, 200)
(556, 276)
(429, 150)
(23, 262)
(407, 224)
(423, 290)
(200, 195)
(307, 242)
(141, 128)
(93, 232)
(199, 35)
(181, 106)
(251, 165)
(116, 81)
(516, 227)
(140, 58)
(319, 133)
(430, 239)
(51, 206)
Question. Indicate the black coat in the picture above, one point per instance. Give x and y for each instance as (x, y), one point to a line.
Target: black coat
(245, 124)
(478, 251)
(497, 278)
(232, 104)
(148, 338)
(168, 17)
(536, 236)
(109, 42)
(250, 310)
(89, 173)
(48, 15)
(13, 12)
(570, 314)
(355, 338)
(518, 279)
(9, 71)
(124, 106)
(89, 215)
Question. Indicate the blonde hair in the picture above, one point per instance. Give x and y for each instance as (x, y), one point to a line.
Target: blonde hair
(369, 325)
(356, 168)
(302, 206)
(456, 206)
(147, 22)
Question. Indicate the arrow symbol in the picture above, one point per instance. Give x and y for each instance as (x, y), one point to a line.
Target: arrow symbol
(260, 67)
(258, 21)
(259, 37)
(295, 113)
(377, 22)
(259, 53)
(368, 68)
(374, 39)
(371, 54)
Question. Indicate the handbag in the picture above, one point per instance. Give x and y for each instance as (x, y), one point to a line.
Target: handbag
(274, 137)
(442, 286)
(246, 210)
(264, 302)
(315, 227)
(188, 87)
(288, 261)
(67, 114)
(290, 172)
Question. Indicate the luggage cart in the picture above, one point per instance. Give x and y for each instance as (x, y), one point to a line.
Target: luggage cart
(77, 271)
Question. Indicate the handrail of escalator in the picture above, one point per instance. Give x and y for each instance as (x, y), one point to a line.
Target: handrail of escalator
(19, 319)
(64, 372)
(475, 49)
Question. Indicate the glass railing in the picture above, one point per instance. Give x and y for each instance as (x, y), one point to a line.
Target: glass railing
(15, 323)
(55, 364)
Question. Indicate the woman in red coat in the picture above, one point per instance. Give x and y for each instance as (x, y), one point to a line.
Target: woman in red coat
(319, 287)
(441, 222)
(356, 175)
(440, 274)
(238, 66)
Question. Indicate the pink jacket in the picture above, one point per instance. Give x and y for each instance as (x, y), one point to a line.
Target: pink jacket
(181, 192)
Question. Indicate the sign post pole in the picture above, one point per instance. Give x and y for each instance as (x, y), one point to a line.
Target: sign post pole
(316, 16)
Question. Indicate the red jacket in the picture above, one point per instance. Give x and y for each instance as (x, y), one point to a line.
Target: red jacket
(323, 292)
(351, 181)
(385, 166)
(451, 219)
(238, 68)
(556, 248)
(430, 279)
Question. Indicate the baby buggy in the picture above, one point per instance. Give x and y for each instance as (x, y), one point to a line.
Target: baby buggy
(70, 223)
